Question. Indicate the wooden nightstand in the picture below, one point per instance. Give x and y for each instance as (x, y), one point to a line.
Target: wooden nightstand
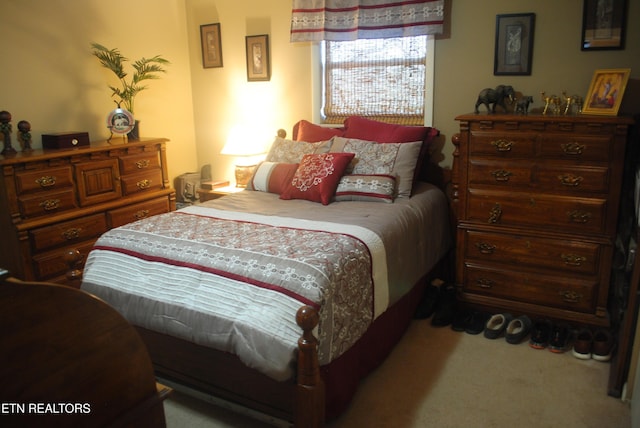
(207, 195)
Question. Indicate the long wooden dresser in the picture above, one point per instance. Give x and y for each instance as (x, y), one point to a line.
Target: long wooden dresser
(536, 198)
(54, 201)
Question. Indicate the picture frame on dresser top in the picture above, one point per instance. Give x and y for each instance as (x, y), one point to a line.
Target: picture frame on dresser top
(606, 91)
(514, 44)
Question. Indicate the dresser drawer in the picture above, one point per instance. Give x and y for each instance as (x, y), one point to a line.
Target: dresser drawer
(52, 264)
(522, 250)
(568, 292)
(43, 179)
(558, 177)
(513, 145)
(138, 211)
(576, 147)
(578, 215)
(142, 182)
(44, 203)
(67, 232)
(130, 164)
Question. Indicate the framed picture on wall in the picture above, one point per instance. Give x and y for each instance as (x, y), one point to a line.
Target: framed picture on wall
(258, 62)
(211, 45)
(606, 91)
(514, 44)
(603, 24)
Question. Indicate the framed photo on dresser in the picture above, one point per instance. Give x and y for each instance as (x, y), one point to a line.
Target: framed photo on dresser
(606, 91)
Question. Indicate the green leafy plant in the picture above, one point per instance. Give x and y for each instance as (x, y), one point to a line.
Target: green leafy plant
(145, 69)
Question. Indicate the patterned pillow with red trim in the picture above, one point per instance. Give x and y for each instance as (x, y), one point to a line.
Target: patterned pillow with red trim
(317, 177)
(366, 187)
(272, 177)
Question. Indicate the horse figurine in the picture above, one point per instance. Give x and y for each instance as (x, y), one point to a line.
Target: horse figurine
(551, 101)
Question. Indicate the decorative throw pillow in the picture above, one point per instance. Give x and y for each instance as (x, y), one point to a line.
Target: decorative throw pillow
(370, 188)
(371, 157)
(317, 177)
(272, 177)
(289, 151)
(307, 131)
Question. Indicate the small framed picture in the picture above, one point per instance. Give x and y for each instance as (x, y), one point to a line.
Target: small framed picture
(514, 44)
(211, 45)
(606, 91)
(603, 24)
(258, 63)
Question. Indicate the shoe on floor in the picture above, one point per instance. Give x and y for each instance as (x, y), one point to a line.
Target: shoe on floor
(583, 344)
(559, 338)
(518, 329)
(496, 325)
(446, 306)
(461, 319)
(428, 303)
(477, 322)
(602, 345)
(540, 334)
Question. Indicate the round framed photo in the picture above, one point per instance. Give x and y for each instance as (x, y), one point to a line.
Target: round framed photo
(120, 121)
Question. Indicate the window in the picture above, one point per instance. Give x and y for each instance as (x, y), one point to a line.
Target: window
(384, 79)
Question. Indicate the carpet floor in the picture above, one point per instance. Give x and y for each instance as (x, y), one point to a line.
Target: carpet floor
(436, 377)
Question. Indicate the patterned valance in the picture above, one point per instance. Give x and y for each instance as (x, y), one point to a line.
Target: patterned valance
(315, 20)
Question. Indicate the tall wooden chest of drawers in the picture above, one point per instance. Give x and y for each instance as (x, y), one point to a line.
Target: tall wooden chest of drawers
(536, 198)
(53, 201)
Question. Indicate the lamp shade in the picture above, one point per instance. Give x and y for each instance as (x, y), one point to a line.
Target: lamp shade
(242, 142)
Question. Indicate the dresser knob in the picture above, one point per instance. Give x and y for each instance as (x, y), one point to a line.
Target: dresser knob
(578, 216)
(139, 215)
(495, 214)
(502, 145)
(484, 283)
(46, 181)
(485, 248)
(570, 180)
(501, 175)
(143, 184)
(570, 296)
(72, 233)
(141, 164)
(50, 204)
(573, 259)
(573, 149)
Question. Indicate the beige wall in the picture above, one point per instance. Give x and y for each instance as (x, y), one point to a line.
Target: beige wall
(49, 77)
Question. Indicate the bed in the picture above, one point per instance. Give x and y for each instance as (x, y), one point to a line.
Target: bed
(283, 296)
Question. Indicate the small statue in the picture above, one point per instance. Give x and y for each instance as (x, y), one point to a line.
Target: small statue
(24, 135)
(551, 102)
(5, 129)
(496, 97)
(522, 104)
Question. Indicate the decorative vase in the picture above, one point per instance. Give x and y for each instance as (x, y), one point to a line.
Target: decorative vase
(134, 134)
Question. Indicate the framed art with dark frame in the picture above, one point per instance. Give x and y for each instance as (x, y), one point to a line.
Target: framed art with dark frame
(514, 44)
(211, 45)
(606, 91)
(258, 62)
(603, 24)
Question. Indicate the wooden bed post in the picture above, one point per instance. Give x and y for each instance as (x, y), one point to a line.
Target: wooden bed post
(309, 397)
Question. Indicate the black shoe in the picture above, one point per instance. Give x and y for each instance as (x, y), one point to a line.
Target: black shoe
(461, 320)
(477, 322)
(559, 338)
(518, 329)
(540, 334)
(446, 306)
(496, 325)
(427, 305)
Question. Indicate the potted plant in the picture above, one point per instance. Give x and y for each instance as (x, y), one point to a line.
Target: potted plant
(145, 69)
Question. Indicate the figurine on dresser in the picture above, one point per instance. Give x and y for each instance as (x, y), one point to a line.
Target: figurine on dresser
(495, 97)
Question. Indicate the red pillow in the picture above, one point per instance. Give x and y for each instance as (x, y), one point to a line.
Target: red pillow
(311, 133)
(272, 177)
(317, 177)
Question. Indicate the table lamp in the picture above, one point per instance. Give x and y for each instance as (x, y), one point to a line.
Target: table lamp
(247, 149)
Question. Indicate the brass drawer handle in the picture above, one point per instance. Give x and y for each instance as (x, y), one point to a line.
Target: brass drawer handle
(141, 164)
(570, 296)
(50, 204)
(573, 259)
(485, 248)
(495, 214)
(573, 149)
(502, 145)
(579, 216)
(484, 283)
(46, 181)
(570, 180)
(501, 175)
(143, 184)
(72, 233)
(139, 215)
